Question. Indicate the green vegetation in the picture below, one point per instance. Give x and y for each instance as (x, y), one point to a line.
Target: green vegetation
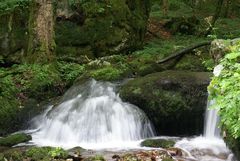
(158, 143)
(224, 89)
(111, 40)
(7, 6)
(45, 153)
(14, 139)
(12, 154)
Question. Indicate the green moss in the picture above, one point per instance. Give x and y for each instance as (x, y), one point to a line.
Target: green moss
(22, 83)
(14, 139)
(192, 63)
(107, 74)
(9, 110)
(36, 153)
(158, 143)
(170, 99)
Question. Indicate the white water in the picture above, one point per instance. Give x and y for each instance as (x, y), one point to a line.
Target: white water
(92, 116)
(211, 129)
(210, 146)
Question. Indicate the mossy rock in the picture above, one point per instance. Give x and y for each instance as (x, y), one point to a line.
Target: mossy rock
(14, 139)
(175, 101)
(158, 143)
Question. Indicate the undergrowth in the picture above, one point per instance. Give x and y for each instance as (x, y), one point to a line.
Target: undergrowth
(224, 89)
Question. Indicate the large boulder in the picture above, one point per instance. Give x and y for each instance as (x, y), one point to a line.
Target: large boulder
(83, 28)
(175, 101)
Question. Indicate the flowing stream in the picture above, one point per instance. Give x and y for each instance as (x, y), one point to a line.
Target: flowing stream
(92, 116)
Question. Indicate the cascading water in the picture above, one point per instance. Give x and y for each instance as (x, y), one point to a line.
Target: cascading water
(91, 116)
(211, 129)
(211, 146)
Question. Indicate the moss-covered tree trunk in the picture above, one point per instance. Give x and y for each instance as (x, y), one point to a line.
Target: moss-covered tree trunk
(41, 43)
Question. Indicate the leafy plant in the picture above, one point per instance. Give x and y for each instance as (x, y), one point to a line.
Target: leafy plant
(58, 153)
(70, 71)
(224, 89)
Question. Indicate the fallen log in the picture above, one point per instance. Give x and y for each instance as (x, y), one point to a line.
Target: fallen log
(184, 51)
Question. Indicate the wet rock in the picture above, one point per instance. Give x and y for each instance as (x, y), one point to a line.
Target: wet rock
(155, 155)
(158, 143)
(75, 153)
(177, 152)
(175, 101)
(116, 157)
(14, 139)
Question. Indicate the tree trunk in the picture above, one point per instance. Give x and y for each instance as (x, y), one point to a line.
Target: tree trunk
(41, 45)
(227, 8)
(165, 7)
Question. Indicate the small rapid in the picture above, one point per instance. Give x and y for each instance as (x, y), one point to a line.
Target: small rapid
(92, 116)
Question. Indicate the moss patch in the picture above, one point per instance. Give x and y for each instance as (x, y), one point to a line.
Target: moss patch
(158, 143)
(14, 139)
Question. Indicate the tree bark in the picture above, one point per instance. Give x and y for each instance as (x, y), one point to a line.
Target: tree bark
(41, 44)
(184, 51)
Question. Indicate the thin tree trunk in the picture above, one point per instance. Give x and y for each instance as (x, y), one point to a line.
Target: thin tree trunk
(227, 8)
(215, 17)
(41, 43)
(165, 7)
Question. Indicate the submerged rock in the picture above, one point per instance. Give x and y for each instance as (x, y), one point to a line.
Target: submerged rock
(175, 101)
(158, 143)
(14, 139)
(95, 158)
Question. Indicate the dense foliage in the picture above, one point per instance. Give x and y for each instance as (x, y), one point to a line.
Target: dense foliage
(7, 6)
(225, 90)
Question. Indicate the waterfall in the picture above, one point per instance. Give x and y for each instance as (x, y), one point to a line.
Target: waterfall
(210, 146)
(211, 129)
(91, 114)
